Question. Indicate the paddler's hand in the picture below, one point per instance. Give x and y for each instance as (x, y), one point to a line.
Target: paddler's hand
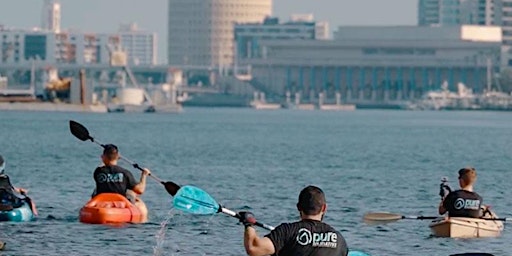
(247, 218)
(22, 191)
(146, 172)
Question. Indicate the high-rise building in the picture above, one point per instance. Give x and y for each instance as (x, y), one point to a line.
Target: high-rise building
(140, 46)
(201, 32)
(50, 18)
(458, 12)
(428, 12)
(506, 24)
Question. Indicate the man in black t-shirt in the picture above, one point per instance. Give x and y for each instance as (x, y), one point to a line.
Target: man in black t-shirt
(111, 178)
(307, 237)
(463, 202)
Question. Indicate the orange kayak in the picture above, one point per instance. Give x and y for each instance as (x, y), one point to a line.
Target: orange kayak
(111, 208)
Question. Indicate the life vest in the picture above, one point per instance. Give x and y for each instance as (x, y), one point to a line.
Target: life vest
(7, 195)
(5, 183)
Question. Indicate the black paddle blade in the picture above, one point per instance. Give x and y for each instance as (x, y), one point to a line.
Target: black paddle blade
(473, 254)
(79, 131)
(171, 187)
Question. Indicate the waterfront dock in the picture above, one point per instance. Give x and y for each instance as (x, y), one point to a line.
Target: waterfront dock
(51, 107)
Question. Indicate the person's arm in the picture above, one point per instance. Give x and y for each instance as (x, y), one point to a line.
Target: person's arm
(255, 245)
(441, 208)
(141, 186)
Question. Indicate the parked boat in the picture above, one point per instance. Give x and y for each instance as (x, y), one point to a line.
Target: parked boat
(444, 99)
(459, 227)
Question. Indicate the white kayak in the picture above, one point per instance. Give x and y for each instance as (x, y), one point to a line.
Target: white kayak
(461, 227)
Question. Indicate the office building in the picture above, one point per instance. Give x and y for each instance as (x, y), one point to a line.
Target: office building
(459, 12)
(201, 32)
(24, 46)
(249, 35)
(507, 22)
(140, 46)
(50, 18)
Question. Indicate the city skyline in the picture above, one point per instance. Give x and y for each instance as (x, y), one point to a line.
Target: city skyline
(93, 15)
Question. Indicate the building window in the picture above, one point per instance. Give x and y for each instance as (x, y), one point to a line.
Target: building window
(35, 46)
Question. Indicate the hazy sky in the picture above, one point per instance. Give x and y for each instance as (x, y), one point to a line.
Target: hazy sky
(106, 15)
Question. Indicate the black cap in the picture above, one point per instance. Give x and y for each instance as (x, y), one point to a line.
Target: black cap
(311, 200)
(110, 149)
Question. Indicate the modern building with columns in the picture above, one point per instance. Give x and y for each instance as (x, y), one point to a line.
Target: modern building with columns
(378, 63)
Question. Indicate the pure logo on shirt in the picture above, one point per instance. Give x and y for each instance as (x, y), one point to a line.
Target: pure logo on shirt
(327, 239)
(116, 177)
(468, 204)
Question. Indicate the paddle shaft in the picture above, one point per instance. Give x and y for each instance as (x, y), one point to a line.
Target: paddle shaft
(420, 217)
(434, 217)
(235, 215)
(135, 165)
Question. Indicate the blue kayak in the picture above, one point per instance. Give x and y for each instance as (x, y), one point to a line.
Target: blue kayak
(357, 253)
(19, 214)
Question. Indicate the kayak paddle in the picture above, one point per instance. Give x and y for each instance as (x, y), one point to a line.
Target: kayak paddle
(390, 217)
(386, 216)
(80, 132)
(191, 199)
(472, 254)
(194, 200)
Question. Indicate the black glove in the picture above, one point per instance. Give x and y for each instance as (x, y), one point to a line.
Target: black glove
(247, 218)
(444, 190)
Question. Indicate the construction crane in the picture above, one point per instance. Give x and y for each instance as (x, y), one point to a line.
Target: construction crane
(118, 58)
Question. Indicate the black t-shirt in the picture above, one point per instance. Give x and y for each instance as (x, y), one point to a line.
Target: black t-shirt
(113, 179)
(462, 203)
(5, 183)
(307, 238)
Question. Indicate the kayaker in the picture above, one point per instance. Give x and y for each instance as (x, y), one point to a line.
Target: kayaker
(309, 236)
(8, 191)
(463, 202)
(111, 178)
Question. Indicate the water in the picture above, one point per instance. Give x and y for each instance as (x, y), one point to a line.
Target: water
(364, 160)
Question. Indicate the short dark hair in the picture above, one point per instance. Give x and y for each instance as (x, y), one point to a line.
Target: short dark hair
(468, 174)
(111, 152)
(311, 200)
(1, 160)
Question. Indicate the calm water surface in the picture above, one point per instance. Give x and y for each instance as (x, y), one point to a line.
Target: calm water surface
(364, 160)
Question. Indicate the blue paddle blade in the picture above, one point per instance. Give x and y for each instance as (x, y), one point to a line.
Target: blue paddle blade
(194, 200)
(357, 253)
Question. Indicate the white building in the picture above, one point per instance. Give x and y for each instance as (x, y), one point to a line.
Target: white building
(201, 32)
(379, 63)
(50, 18)
(141, 46)
(23, 46)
